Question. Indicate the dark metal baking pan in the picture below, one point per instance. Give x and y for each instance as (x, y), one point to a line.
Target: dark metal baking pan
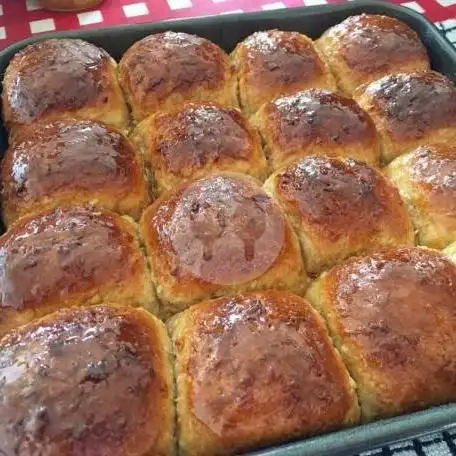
(227, 30)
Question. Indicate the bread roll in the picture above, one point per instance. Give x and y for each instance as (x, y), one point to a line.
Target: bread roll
(163, 70)
(195, 139)
(70, 256)
(339, 208)
(73, 162)
(219, 235)
(369, 46)
(60, 79)
(426, 179)
(273, 63)
(392, 316)
(316, 122)
(94, 381)
(410, 110)
(256, 369)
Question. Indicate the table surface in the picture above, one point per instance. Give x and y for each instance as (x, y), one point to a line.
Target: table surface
(20, 19)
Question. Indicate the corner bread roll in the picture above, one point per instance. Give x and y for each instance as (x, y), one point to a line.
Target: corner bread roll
(367, 47)
(73, 162)
(426, 179)
(392, 316)
(256, 369)
(61, 79)
(339, 208)
(316, 122)
(92, 381)
(196, 139)
(274, 62)
(166, 69)
(410, 110)
(70, 256)
(219, 235)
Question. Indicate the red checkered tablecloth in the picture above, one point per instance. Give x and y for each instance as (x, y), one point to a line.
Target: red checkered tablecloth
(22, 18)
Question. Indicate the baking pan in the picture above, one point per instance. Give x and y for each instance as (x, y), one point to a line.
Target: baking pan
(226, 31)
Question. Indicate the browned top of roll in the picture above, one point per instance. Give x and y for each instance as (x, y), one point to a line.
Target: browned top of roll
(317, 116)
(82, 381)
(223, 229)
(67, 250)
(169, 63)
(391, 303)
(264, 355)
(274, 58)
(369, 43)
(331, 194)
(76, 155)
(414, 103)
(188, 139)
(53, 74)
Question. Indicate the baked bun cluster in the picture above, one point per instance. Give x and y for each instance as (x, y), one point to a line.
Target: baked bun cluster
(204, 255)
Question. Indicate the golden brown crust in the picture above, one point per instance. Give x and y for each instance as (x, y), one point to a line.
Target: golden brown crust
(392, 315)
(217, 235)
(193, 140)
(69, 256)
(273, 63)
(426, 178)
(410, 109)
(165, 69)
(316, 122)
(62, 78)
(340, 208)
(87, 381)
(256, 369)
(75, 162)
(366, 47)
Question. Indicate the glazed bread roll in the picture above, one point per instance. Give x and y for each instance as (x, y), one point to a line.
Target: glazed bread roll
(219, 235)
(410, 110)
(366, 47)
(92, 381)
(316, 122)
(61, 79)
(256, 369)
(195, 139)
(163, 70)
(392, 316)
(73, 162)
(339, 208)
(66, 257)
(273, 63)
(426, 179)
